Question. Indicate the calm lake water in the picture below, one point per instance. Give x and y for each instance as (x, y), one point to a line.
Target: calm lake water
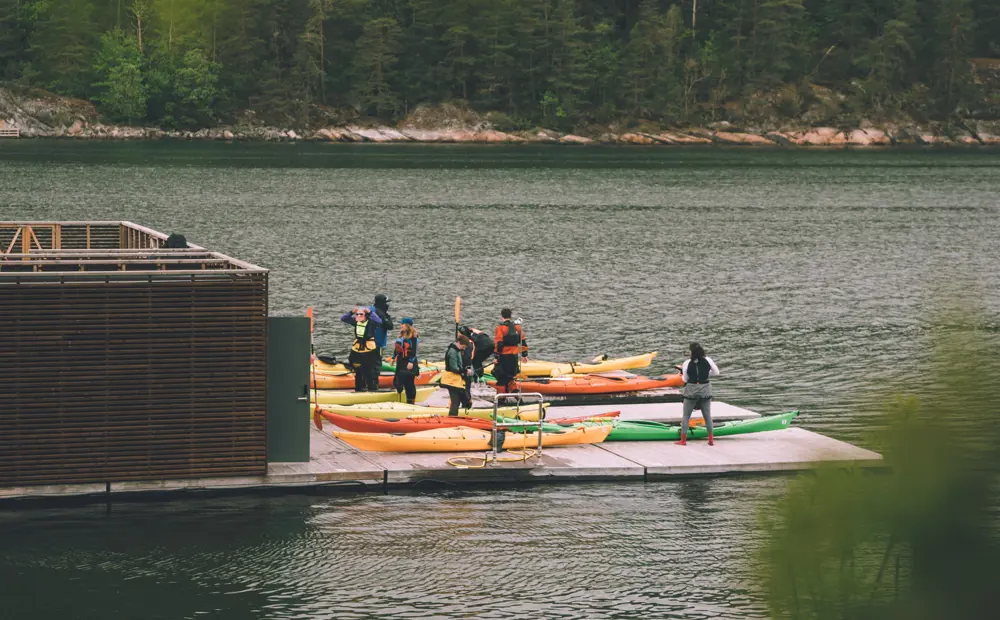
(813, 278)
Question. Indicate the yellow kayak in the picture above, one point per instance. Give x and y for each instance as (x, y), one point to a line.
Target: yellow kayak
(346, 397)
(538, 368)
(463, 439)
(395, 410)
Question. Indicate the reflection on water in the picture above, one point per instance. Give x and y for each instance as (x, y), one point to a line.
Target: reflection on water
(807, 275)
(654, 550)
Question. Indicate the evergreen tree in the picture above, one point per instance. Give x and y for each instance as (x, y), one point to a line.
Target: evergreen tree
(120, 90)
(375, 66)
(63, 44)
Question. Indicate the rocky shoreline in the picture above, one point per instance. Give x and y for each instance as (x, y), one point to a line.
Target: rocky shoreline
(811, 137)
(44, 115)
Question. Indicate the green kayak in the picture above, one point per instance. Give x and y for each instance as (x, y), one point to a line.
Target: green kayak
(638, 430)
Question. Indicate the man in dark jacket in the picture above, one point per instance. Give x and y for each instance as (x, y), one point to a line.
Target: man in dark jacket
(381, 309)
(482, 348)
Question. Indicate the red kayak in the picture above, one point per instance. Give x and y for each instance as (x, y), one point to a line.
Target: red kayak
(412, 425)
(598, 384)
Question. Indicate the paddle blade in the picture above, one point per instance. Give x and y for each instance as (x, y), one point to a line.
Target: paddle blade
(312, 322)
(317, 418)
(458, 310)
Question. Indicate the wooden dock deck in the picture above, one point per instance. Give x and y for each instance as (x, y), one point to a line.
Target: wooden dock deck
(334, 463)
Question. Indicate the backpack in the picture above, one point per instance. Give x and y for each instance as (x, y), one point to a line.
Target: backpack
(513, 337)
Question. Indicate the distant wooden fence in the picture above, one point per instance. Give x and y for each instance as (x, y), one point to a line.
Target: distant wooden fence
(121, 360)
(7, 132)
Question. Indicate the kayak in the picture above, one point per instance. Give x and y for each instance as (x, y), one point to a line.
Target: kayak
(345, 397)
(339, 369)
(397, 410)
(598, 384)
(637, 430)
(325, 381)
(539, 368)
(469, 439)
(422, 423)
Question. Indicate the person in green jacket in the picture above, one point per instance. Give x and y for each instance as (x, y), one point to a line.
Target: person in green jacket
(455, 372)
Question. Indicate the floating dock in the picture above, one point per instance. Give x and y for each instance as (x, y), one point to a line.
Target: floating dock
(333, 463)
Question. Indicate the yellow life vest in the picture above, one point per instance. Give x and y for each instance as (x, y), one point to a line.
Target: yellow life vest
(361, 345)
(453, 379)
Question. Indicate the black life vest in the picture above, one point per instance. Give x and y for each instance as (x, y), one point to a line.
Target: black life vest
(698, 370)
(513, 337)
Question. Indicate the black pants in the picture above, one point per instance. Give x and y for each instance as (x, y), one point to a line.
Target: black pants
(458, 396)
(363, 364)
(375, 371)
(506, 369)
(406, 381)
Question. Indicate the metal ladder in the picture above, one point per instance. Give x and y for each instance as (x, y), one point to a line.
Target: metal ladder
(535, 398)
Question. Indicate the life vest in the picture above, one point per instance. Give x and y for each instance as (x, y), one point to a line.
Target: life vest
(698, 370)
(451, 377)
(362, 343)
(513, 336)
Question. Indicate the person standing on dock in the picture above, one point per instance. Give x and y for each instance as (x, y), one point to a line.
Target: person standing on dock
(510, 345)
(364, 353)
(404, 356)
(697, 390)
(381, 310)
(482, 348)
(455, 371)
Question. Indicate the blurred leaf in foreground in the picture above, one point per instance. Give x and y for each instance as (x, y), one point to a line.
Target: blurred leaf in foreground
(920, 540)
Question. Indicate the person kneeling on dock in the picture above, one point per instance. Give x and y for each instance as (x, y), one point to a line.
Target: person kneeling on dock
(404, 356)
(454, 375)
(697, 390)
(364, 357)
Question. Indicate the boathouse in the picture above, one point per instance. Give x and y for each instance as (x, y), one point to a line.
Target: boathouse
(124, 360)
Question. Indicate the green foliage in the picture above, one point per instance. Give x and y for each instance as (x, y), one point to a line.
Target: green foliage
(62, 47)
(375, 65)
(558, 63)
(120, 90)
(194, 91)
(921, 540)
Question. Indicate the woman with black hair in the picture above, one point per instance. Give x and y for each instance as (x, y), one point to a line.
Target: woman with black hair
(698, 390)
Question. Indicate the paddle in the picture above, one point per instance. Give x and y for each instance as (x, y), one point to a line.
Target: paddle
(317, 418)
(458, 314)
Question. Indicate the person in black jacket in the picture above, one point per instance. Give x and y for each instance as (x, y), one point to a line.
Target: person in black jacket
(404, 356)
(381, 310)
(482, 348)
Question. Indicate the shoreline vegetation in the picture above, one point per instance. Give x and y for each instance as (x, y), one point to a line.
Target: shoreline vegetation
(40, 114)
(655, 72)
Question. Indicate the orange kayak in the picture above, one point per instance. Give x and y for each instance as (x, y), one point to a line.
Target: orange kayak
(326, 381)
(415, 423)
(598, 384)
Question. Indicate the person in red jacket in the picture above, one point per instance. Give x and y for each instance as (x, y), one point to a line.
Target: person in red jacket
(510, 345)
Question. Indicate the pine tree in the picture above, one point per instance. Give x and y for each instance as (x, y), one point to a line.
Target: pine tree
(375, 64)
(63, 45)
(120, 89)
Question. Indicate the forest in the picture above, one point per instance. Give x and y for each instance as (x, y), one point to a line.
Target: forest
(555, 63)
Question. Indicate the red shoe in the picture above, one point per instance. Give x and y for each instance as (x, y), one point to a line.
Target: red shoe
(682, 442)
(711, 439)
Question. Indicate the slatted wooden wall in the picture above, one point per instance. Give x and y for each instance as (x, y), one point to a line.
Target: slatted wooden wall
(129, 377)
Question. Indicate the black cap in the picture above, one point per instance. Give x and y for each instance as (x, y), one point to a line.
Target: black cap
(465, 330)
(381, 299)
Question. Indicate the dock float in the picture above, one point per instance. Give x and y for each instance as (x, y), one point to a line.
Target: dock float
(333, 463)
